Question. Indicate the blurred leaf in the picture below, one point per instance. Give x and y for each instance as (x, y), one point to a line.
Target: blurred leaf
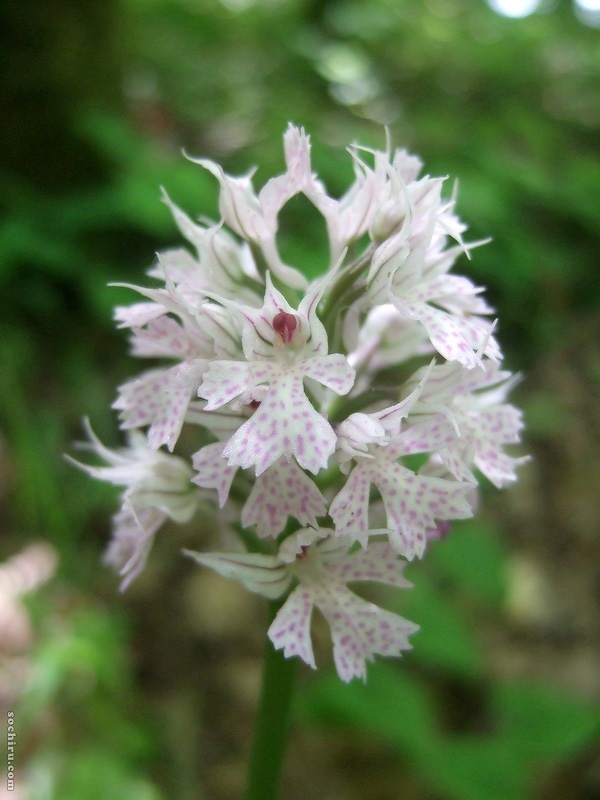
(544, 723)
(475, 768)
(94, 774)
(473, 556)
(445, 640)
(392, 704)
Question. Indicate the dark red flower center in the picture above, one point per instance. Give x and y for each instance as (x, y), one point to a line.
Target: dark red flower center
(285, 325)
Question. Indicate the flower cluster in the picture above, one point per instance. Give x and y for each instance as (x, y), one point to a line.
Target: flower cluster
(309, 401)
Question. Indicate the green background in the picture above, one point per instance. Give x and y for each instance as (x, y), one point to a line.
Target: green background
(151, 694)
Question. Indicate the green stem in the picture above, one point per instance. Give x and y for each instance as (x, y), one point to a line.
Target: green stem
(270, 735)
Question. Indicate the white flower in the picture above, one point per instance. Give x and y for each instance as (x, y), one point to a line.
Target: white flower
(132, 539)
(281, 491)
(322, 566)
(254, 217)
(221, 264)
(277, 375)
(284, 347)
(474, 402)
(409, 269)
(157, 488)
(414, 503)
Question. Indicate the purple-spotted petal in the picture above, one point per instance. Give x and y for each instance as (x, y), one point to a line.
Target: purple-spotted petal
(379, 563)
(360, 630)
(426, 436)
(457, 338)
(160, 399)
(332, 371)
(213, 470)
(413, 504)
(491, 429)
(282, 491)
(290, 630)
(223, 381)
(284, 425)
(350, 508)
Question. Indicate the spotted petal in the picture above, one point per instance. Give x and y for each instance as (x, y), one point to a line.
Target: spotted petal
(160, 399)
(282, 491)
(456, 337)
(224, 381)
(332, 371)
(290, 630)
(213, 470)
(284, 425)
(360, 630)
(412, 503)
(132, 539)
(491, 429)
(379, 563)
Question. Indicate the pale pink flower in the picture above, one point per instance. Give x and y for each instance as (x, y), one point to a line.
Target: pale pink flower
(280, 492)
(157, 487)
(322, 566)
(284, 347)
(473, 401)
(414, 502)
(253, 216)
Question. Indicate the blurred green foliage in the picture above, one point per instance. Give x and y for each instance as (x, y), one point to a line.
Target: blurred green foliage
(97, 122)
(509, 733)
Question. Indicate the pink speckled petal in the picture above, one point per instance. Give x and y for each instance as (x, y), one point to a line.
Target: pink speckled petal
(455, 337)
(284, 425)
(425, 436)
(379, 562)
(499, 467)
(350, 508)
(453, 292)
(414, 503)
(455, 460)
(290, 630)
(213, 470)
(360, 630)
(282, 491)
(224, 381)
(160, 399)
(491, 429)
(332, 371)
